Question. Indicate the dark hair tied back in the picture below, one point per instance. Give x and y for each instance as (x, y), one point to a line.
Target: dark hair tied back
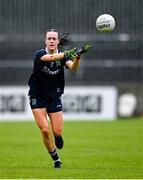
(65, 39)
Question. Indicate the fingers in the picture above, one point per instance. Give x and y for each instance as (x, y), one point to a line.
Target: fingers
(84, 49)
(73, 53)
(74, 49)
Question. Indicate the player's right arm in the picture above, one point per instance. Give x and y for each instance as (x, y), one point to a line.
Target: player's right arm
(70, 54)
(52, 57)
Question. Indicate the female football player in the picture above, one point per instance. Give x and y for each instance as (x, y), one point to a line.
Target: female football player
(46, 87)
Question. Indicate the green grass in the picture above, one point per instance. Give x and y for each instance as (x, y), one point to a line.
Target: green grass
(97, 150)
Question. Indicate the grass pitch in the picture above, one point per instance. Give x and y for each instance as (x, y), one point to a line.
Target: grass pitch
(93, 150)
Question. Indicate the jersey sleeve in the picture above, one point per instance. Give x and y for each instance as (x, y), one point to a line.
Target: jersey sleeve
(39, 53)
(65, 60)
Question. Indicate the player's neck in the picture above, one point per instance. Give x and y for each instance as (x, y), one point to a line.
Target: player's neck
(52, 51)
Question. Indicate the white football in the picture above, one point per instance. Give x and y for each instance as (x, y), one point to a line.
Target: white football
(105, 23)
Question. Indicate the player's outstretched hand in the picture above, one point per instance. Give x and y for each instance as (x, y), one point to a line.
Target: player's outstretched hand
(71, 54)
(84, 49)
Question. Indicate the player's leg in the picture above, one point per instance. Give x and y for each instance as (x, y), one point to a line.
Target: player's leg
(40, 116)
(56, 119)
(42, 122)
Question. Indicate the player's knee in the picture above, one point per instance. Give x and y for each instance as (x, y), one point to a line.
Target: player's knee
(45, 132)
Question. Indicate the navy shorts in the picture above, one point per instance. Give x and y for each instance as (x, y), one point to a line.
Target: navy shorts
(52, 104)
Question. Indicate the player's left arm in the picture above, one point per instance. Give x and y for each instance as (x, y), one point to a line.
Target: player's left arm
(75, 62)
(73, 65)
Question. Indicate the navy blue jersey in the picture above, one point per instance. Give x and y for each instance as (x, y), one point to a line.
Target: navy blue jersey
(47, 78)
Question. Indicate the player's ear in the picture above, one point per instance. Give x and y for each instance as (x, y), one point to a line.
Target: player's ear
(58, 38)
(45, 39)
(58, 41)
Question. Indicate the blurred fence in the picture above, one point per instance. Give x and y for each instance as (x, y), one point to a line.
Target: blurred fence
(77, 16)
(115, 58)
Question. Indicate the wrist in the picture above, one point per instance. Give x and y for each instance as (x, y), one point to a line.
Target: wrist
(78, 57)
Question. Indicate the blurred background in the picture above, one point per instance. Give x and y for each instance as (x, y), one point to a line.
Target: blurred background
(116, 58)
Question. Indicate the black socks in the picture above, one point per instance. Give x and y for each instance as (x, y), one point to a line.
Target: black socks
(54, 155)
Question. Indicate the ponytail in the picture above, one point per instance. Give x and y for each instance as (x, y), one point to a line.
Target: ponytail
(65, 39)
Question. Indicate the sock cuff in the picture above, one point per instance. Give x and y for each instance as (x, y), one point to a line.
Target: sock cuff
(53, 152)
(57, 160)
